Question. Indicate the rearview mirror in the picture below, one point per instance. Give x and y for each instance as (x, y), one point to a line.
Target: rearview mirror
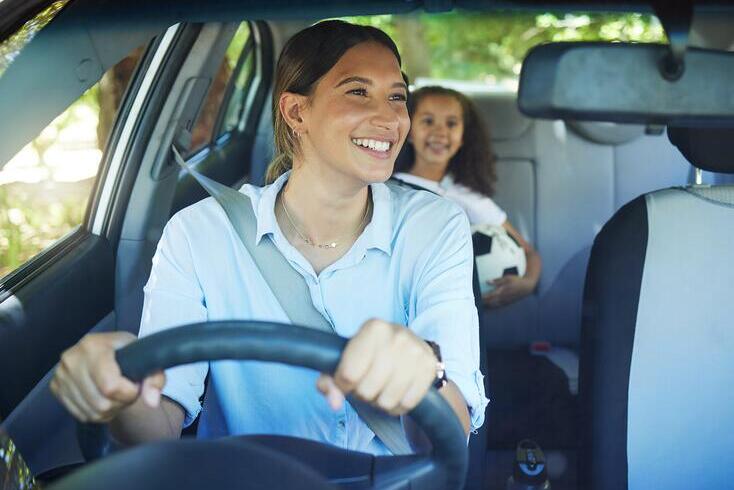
(622, 82)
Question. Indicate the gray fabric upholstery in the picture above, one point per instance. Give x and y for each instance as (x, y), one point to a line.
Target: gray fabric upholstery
(680, 424)
(577, 184)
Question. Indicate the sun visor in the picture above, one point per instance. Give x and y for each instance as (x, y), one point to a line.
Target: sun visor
(705, 148)
(62, 61)
(624, 83)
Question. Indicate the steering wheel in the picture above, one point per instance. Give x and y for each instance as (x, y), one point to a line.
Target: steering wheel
(267, 461)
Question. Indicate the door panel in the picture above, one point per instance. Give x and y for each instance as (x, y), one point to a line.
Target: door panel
(50, 311)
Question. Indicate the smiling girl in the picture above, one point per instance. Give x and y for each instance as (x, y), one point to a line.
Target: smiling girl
(449, 153)
(389, 268)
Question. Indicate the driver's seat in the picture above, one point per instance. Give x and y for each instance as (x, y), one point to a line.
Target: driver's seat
(657, 345)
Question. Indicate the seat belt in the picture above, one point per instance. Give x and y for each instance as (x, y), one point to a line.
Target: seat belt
(291, 291)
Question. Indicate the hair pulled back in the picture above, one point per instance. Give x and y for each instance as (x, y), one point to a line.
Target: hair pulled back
(306, 57)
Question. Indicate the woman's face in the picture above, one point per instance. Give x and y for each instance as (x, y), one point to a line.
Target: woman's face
(438, 129)
(357, 120)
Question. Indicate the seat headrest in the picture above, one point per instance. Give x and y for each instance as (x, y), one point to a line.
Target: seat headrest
(709, 149)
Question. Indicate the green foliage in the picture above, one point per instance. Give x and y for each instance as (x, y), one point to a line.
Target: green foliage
(237, 45)
(34, 217)
(486, 47)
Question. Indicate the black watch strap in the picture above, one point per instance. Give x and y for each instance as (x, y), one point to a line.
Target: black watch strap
(441, 378)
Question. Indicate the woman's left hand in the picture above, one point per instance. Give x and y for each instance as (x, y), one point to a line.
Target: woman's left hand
(508, 289)
(384, 364)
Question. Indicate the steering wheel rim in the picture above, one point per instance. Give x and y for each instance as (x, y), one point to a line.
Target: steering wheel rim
(296, 346)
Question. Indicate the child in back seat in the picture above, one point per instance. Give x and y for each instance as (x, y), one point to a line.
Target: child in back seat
(448, 152)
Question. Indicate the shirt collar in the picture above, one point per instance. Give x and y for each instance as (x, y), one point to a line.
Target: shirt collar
(266, 223)
(377, 234)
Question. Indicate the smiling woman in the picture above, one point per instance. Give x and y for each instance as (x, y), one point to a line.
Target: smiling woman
(340, 118)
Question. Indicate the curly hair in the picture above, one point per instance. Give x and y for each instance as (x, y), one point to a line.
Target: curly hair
(475, 164)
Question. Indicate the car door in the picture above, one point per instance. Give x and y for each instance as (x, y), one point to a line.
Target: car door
(63, 80)
(111, 97)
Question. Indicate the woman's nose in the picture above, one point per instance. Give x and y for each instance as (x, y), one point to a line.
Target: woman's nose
(386, 116)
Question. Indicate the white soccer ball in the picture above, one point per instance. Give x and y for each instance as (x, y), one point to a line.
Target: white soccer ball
(497, 254)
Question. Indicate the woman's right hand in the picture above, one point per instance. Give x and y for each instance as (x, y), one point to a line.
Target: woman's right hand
(88, 381)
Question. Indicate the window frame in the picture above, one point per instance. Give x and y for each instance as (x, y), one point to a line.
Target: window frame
(218, 138)
(249, 48)
(47, 257)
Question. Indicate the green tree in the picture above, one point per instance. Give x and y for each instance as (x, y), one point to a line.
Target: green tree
(487, 47)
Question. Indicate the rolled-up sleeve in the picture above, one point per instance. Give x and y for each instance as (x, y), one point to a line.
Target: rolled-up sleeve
(173, 297)
(442, 310)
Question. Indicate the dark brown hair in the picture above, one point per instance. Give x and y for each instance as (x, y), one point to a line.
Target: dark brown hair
(474, 165)
(306, 57)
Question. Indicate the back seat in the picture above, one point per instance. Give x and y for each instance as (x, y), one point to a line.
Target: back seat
(559, 182)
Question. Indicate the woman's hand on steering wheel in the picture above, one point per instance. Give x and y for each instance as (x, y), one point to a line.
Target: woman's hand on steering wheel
(88, 382)
(384, 364)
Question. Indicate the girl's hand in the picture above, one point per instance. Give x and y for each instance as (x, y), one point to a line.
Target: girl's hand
(88, 382)
(508, 289)
(384, 364)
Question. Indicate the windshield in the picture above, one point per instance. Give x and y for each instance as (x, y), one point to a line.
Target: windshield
(476, 52)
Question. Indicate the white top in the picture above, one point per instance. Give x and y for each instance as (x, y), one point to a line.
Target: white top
(480, 209)
(412, 265)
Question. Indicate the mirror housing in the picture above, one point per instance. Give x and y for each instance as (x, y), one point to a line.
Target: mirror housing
(625, 83)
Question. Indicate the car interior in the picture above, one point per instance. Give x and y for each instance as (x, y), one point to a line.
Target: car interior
(616, 366)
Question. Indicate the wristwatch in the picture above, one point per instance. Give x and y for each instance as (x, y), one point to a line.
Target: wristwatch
(441, 378)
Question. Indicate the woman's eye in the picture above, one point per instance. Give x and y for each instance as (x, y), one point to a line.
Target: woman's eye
(428, 122)
(399, 98)
(358, 91)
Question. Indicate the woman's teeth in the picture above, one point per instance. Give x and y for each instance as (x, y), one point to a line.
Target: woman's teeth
(373, 144)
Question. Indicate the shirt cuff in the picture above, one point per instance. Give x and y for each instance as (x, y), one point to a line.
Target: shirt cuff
(472, 389)
(184, 391)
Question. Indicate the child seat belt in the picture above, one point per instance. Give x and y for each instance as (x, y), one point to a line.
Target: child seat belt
(292, 293)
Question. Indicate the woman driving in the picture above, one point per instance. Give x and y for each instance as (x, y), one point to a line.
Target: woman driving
(389, 268)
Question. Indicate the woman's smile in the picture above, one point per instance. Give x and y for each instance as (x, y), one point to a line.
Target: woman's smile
(377, 148)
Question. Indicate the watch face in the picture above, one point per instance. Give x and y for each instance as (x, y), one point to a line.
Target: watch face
(14, 473)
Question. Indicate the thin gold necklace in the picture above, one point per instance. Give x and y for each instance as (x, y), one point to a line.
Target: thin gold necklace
(329, 245)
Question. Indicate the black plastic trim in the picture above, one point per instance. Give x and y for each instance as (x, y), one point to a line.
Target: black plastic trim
(51, 312)
(611, 299)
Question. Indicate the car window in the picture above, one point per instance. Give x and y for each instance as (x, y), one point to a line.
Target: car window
(238, 56)
(45, 187)
(240, 91)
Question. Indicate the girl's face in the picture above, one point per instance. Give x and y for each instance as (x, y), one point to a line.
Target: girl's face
(438, 129)
(357, 120)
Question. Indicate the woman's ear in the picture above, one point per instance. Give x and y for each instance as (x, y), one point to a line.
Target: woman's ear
(292, 107)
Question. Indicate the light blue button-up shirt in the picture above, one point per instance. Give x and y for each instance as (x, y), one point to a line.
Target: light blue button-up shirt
(412, 265)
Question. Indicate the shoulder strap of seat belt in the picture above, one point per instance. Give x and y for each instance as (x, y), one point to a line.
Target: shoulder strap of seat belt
(291, 291)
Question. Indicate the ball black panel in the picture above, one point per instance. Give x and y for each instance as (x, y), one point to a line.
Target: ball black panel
(482, 243)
